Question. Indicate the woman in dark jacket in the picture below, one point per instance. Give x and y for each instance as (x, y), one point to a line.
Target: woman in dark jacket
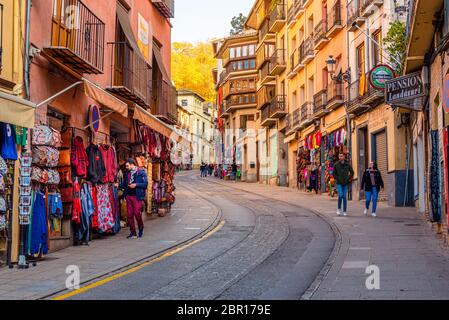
(372, 183)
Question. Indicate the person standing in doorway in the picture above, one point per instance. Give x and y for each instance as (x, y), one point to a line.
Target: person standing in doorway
(343, 174)
(135, 184)
(372, 183)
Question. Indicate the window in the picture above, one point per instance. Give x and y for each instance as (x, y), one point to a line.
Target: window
(361, 59)
(245, 51)
(253, 64)
(238, 52)
(377, 47)
(184, 102)
(232, 53)
(252, 49)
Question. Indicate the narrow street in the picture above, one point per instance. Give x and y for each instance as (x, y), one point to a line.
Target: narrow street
(278, 243)
(265, 250)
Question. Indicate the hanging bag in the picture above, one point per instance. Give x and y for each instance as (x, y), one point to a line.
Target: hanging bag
(42, 136)
(3, 166)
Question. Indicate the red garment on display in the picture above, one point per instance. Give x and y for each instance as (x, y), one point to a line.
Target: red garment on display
(76, 210)
(110, 163)
(95, 223)
(318, 138)
(78, 158)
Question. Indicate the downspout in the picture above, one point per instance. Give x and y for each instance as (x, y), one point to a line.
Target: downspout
(348, 98)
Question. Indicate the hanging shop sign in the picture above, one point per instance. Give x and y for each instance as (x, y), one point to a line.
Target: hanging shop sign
(407, 91)
(446, 93)
(94, 118)
(379, 75)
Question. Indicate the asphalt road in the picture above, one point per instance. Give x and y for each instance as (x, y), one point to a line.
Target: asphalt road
(266, 250)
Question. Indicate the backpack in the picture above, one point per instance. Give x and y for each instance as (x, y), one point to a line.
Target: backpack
(42, 136)
(45, 156)
(56, 140)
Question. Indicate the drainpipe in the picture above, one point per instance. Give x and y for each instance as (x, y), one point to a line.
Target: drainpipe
(348, 97)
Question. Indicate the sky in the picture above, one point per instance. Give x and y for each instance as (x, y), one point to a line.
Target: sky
(201, 20)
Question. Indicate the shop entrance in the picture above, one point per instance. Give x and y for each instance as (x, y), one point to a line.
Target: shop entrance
(362, 156)
(380, 155)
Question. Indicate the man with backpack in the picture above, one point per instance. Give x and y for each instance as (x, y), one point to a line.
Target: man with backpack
(135, 184)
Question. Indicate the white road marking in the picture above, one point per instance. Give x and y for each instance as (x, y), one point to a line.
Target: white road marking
(192, 228)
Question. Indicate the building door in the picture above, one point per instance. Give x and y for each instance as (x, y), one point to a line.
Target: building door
(362, 156)
(381, 157)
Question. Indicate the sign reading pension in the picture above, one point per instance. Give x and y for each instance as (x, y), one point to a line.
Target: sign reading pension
(403, 90)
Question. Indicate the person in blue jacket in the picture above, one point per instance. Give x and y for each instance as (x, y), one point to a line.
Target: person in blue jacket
(134, 185)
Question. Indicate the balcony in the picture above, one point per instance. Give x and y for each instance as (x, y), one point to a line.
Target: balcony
(295, 64)
(334, 20)
(265, 95)
(306, 3)
(277, 62)
(130, 76)
(224, 112)
(164, 102)
(165, 7)
(363, 96)
(263, 54)
(241, 101)
(278, 107)
(306, 114)
(320, 39)
(319, 104)
(265, 76)
(368, 6)
(295, 10)
(265, 116)
(306, 51)
(79, 44)
(277, 17)
(335, 95)
(264, 31)
(353, 13)
(293, 121)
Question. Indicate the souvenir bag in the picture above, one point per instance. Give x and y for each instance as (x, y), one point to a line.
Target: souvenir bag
(53, 176)
(42, 136)
(45, 156)
(2, 204)
(2, 183)
(55, 138)
(64, 157)
(2, 222)
(39, 175)
(65, 175)
(3, 166)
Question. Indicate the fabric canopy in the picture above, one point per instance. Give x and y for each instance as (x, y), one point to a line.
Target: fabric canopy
(106, 99)
(160, 63)
(151, 121)
(125, 23)
(17, 111)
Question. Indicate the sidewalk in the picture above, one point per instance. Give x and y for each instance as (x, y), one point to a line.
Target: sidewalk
(189, 217)
(412, 261)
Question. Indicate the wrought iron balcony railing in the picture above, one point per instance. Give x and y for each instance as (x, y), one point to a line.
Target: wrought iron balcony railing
(165, 7)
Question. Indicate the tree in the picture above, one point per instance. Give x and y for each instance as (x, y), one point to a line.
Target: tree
(238, 24)
(192, 66)
(396, 44)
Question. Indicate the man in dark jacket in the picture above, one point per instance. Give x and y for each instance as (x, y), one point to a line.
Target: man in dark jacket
(343, 174)
(135, 184)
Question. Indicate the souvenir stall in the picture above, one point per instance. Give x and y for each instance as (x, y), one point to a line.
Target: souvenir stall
(311, 162)
(152, 150)
(334, 143)
(12, 139)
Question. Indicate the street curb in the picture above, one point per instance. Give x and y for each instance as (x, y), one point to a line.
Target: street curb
(156, 255)
(308, 294)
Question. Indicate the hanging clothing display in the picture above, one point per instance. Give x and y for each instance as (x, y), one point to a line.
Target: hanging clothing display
(79, 159)
(87, 206)
(96, 169)
(38, 227)
(105, 211)
(435, 198)
(8, 142)
(110, 163)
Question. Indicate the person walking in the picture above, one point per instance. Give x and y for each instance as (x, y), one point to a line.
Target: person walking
(343, 174)
(372, 183)
(134, 185)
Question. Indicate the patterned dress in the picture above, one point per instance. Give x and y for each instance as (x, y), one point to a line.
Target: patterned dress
(105, 210)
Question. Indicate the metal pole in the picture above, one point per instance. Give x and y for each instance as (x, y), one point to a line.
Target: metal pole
(348, 117)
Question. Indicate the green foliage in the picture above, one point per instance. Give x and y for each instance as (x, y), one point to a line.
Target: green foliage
(192, 66)
(238, 24)
(396, 44)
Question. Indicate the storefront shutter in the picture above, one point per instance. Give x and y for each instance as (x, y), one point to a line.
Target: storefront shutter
(382, 161)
